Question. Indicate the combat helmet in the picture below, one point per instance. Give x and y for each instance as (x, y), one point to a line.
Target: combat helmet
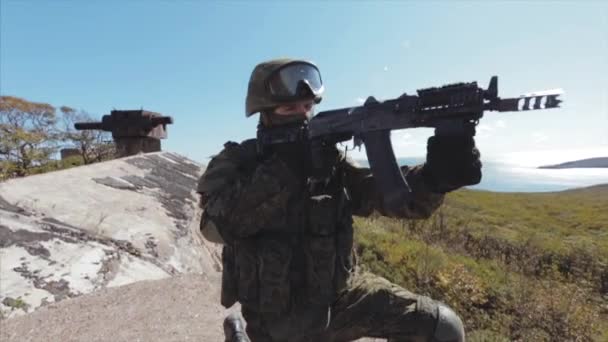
(278, 81)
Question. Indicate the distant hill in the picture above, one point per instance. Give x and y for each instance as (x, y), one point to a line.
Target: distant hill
(598, 189)
(591, 162)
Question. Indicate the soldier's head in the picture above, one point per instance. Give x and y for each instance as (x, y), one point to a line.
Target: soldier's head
(283, 91)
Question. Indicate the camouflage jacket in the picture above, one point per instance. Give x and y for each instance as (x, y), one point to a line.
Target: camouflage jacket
(287, 248)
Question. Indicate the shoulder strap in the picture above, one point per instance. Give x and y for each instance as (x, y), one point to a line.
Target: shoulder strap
(250, 155)
(228, 165)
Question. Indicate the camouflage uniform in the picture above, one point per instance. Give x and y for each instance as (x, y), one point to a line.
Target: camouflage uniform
(283, 208)
(287, 252)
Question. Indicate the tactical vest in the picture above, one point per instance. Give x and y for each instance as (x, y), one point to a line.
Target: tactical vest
(295, 271)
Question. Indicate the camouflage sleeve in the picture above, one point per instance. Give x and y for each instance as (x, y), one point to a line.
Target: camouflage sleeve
(366, 198)
(239, 195)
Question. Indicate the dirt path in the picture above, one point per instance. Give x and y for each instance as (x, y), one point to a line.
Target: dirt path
(181, 308)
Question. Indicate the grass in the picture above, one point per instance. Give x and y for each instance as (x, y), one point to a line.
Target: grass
(515, 266)
(17, 303)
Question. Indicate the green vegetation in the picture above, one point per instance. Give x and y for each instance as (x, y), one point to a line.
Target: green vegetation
(523, 267)
(13, 303)
(55, 165)
(32, 134)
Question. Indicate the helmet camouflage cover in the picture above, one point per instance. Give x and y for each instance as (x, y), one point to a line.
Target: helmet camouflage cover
(258, 96)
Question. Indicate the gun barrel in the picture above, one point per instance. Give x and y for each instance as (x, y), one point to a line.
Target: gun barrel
(523, 103)
(161, 120)
(88, 125)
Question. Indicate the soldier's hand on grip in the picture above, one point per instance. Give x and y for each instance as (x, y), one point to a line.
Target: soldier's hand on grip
(451, 162)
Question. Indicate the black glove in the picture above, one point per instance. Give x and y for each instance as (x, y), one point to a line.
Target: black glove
(452, 161)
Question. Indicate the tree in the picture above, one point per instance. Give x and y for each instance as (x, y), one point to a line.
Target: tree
(94, 145)
(27, 135)
(31, 134)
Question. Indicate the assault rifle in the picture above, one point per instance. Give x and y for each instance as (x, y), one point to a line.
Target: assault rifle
(450, 109)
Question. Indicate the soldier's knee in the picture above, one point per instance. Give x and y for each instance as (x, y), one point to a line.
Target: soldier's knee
(449, 326)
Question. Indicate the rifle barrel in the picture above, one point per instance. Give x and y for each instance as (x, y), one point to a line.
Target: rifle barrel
(161, 120)
(88, 125)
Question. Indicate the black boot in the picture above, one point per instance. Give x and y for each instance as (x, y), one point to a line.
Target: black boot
(234, 329)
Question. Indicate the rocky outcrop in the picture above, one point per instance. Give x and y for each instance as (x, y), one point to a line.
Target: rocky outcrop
(76, 231)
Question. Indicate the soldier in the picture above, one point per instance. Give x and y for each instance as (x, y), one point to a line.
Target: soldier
(286, 227)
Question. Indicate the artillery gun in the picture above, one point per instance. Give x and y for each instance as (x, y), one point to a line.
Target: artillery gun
(133, 131)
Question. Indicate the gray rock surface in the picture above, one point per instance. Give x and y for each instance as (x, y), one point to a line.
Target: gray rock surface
(76, 231)
(181, 308)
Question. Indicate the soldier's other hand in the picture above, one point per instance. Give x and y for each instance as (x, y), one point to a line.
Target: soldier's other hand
(451, 162)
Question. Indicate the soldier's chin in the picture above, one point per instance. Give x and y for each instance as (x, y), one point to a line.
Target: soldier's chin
(303, 116)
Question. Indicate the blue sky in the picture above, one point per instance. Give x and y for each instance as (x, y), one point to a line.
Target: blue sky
(192, 60)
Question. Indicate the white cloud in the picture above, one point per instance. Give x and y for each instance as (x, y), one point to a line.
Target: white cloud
(407, 144)
(401, 135)
(539, 137)
(385, 68)
(360, 100)
(486, 129)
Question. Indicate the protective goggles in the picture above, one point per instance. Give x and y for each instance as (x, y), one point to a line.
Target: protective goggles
(295, 80)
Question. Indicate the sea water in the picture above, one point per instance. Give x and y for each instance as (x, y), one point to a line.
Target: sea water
(514, 178)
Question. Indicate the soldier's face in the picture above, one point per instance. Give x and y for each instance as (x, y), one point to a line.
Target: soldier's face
(296, 108)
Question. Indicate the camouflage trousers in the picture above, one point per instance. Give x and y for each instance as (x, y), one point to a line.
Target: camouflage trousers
(370, 306)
